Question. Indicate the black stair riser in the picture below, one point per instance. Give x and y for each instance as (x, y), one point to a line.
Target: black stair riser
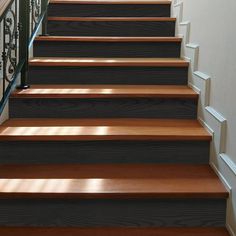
(108, 75)
(93, 152)
(111, 28)
(109, 10)
(103, 108)
(109, 213)
(107, 49)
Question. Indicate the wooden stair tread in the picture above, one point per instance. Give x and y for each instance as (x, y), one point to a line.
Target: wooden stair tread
(61, 61)
(108, 181)
(107, 39)
(129, 19)
(151, 231)
(157, 2)
(101, 91)
(102, 129)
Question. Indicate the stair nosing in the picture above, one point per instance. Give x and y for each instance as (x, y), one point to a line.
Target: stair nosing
(119, 19)
(115, 62)
(103, 130)
(137, 183)
(105, 91)
(106, 39)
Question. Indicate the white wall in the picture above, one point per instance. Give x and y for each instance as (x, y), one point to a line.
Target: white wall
(213, 28)
(209, 31)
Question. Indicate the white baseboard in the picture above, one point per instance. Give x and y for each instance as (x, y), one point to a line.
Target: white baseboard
(230, 230)
(211, 119)
(228, 162)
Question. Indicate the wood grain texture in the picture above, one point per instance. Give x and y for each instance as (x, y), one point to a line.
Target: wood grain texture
(108, 75)
(115, 9)
(105, 152)
(102, 129)
(170, 108)
(105, 91)
(116, 27)
(171, 181)
(96, 62)
(107, 48)
(53, 231)
(108, 101)
(113, 212)
(111, 181)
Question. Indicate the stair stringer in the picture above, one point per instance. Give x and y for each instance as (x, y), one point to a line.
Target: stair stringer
(207, 115)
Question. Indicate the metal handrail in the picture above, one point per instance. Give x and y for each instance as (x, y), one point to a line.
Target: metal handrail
(19, 23)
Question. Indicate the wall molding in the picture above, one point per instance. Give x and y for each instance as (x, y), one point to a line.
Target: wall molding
(211, 119)
(231, 232)
(200, 82)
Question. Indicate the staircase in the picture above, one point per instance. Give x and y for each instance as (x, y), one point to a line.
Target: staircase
(106, 140)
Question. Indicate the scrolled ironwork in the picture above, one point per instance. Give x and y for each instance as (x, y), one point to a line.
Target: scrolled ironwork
(9, 55)
(19, 24)
(35, 9)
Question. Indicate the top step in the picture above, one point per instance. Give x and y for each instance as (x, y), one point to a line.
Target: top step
(126, 8)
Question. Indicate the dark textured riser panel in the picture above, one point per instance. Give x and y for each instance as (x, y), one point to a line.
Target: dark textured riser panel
(121, 213)
(106, 49)
(104, 152)
(112, 10)
(103, 108)
(111, 28)
(108, 75)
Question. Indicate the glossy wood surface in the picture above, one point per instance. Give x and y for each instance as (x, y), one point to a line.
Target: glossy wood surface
(151, 62)
(105, 91)
(109, 19)
(108, 181)
(102, 129)
(107, 39)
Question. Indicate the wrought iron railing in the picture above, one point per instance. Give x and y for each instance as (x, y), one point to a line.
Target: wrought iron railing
(19, 23)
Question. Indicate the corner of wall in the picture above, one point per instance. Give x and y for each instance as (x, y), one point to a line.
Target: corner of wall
(214, 122)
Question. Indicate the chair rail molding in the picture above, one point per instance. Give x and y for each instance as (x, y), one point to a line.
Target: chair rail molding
(207, 115)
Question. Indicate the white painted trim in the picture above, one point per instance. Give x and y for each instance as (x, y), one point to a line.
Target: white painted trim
(215, 114)
(201, 75)
(225, 182)
(211, 119)
(209, 129)
(195, 88)
(230, 230)
(226, 159)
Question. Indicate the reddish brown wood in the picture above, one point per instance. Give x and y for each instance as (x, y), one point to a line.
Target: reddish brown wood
(54, 61)
(102, 129)
(139, 19)
(105, 91)
(107, 39)
(110, 181)
(21, 231)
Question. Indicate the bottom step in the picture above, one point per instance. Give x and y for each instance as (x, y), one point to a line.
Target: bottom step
(113, 231)
(111, 196)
